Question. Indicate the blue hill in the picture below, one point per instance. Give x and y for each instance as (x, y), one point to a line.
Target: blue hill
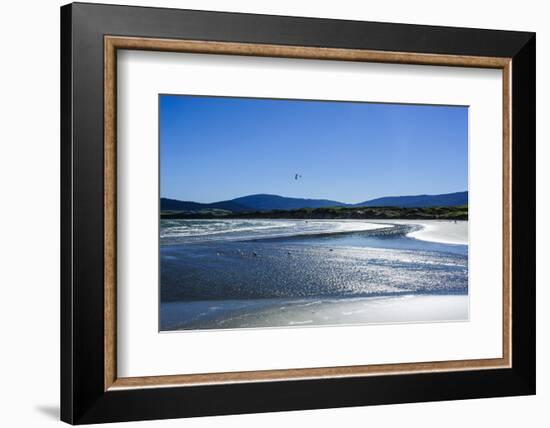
(176, 205)
(265, 202)
(418, 201)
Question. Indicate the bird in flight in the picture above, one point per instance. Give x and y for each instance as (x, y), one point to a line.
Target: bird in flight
(297, 176)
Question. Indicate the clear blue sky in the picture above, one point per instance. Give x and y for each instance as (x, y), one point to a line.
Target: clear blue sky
(215, 148)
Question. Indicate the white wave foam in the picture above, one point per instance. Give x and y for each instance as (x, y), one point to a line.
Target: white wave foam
(207, 230)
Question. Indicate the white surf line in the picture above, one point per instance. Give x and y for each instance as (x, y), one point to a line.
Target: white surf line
(347, 229)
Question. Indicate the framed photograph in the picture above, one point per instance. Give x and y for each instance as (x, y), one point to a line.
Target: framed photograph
(265, 213)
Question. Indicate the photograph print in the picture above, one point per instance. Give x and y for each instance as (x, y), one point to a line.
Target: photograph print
(301, 213)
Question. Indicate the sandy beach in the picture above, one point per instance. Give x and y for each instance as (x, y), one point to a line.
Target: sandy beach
(315, 312)
(442, 231)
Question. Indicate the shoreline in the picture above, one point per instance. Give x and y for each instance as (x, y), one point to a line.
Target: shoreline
(312, 312)
(450, 232)
(382, 274)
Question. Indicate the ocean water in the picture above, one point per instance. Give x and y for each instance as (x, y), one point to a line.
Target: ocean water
(217, 267)
(192, 231)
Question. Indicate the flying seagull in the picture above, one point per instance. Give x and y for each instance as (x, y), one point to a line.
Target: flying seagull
(297, 176)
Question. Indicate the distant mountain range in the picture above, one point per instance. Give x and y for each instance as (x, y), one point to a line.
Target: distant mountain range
(275, 202)
(418, 201)
(263, 202)
(175, 205)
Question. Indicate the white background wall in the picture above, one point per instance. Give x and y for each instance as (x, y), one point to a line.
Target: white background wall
(29, 215)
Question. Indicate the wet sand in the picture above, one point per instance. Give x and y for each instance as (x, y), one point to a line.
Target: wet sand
(336, 279)
(231, 314)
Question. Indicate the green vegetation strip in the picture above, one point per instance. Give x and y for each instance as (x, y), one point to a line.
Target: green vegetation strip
(443, 213)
